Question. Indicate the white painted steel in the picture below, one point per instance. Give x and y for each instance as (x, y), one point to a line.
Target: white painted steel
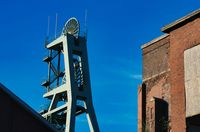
(69, 46)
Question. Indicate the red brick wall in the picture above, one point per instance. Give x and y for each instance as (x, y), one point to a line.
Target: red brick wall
(181, 39)
(156, 77)
(155, 58)
(158, 87)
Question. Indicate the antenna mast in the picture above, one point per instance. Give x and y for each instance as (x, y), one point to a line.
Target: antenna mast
(47, 35)
(56, 23)
(48, 24)
(86, 22)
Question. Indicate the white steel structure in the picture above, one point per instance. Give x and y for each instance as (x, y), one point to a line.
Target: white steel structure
(68, 85)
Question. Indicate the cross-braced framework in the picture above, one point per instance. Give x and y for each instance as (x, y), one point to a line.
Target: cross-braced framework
(68, 84)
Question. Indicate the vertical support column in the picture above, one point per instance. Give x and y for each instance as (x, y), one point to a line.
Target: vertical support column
(71, 113)
(90, 112)
(49, 70)
(71, 93)
(85, 67)
(58, 69)
(92, 120)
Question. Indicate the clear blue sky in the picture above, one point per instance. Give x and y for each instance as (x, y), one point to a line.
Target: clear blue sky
(116, 30)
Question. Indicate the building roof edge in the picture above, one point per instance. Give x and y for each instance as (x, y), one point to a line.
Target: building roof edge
(180, 22)
(154, 41)
(26, 106)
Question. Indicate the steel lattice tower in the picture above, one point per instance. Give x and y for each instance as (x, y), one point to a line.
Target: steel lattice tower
(68, 84)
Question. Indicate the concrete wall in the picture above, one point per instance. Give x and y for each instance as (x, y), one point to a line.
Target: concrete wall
(181, 39)
(14, 117)
(192, 80)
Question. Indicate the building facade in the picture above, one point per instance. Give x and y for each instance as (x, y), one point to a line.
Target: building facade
(169, 97)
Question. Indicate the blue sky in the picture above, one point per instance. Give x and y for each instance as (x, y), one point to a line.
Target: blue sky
(116, 30)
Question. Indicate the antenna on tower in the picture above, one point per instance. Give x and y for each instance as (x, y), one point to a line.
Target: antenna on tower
(56, 24)
(86, 22)
(47, 35)
(48, 24)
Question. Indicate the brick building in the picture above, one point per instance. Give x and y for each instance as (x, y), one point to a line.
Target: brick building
(169, 97)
